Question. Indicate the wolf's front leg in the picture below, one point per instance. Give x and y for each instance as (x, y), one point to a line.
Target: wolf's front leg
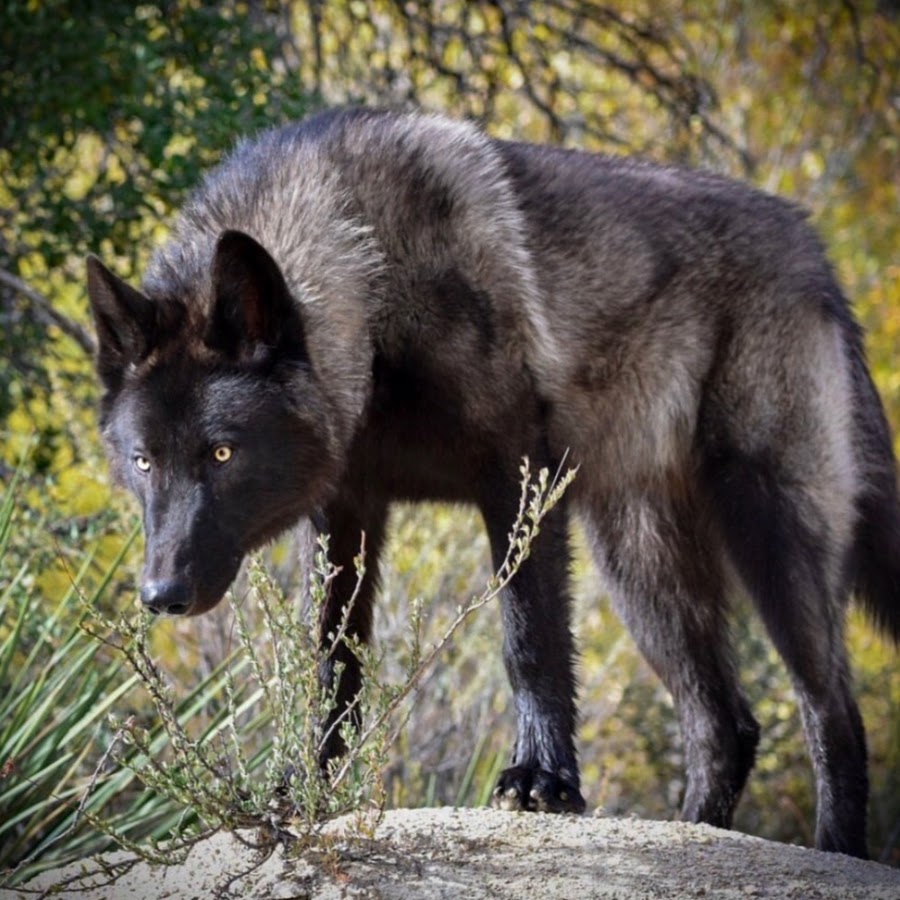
(539, 654)
(346, 527)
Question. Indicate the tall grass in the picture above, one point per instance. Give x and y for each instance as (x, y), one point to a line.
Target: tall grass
(59, 685)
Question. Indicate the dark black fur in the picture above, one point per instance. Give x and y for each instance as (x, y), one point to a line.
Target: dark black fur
(371, 307)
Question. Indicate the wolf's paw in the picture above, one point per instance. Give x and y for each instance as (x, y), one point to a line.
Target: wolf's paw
(536, 790)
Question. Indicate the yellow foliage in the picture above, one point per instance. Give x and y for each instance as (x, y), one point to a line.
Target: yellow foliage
(179, 145)
(813, 164)
(258, 58)
(53, 582)
(83, 167)
(78, 492)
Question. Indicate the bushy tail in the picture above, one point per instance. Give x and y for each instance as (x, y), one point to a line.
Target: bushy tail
(876, 551)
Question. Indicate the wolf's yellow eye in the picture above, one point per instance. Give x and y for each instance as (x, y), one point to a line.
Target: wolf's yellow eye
(141, 463)
(223, 453)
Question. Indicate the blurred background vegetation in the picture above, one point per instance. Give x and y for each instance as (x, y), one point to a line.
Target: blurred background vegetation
(110, 112)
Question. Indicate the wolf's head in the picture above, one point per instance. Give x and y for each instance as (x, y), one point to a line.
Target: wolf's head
(213, 416)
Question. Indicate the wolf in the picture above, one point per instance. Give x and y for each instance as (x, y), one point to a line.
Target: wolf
(372, 306)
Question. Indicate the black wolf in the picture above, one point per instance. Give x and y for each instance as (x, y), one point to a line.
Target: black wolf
(371, 306)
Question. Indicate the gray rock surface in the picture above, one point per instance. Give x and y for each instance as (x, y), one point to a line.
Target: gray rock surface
(478, 853)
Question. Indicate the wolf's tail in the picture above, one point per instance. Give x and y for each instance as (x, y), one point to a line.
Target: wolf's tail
(875, 569)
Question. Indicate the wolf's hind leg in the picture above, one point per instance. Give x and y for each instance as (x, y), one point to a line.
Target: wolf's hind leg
(786, 550)
(666, 581)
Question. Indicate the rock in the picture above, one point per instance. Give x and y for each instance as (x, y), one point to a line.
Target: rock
(428, 854)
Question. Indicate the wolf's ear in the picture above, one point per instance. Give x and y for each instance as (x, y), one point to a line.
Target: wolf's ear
(129, 325)
(253, 310)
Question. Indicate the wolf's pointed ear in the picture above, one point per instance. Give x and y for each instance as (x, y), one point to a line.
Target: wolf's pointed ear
(253, 310)
(128, 323)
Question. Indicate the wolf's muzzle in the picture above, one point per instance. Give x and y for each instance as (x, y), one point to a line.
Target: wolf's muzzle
(170, 597)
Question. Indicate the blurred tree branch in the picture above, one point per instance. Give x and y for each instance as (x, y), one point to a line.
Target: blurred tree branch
(43, 311)
(553, 61)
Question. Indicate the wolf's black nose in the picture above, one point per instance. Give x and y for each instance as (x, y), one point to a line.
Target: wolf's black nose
(171, 597)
